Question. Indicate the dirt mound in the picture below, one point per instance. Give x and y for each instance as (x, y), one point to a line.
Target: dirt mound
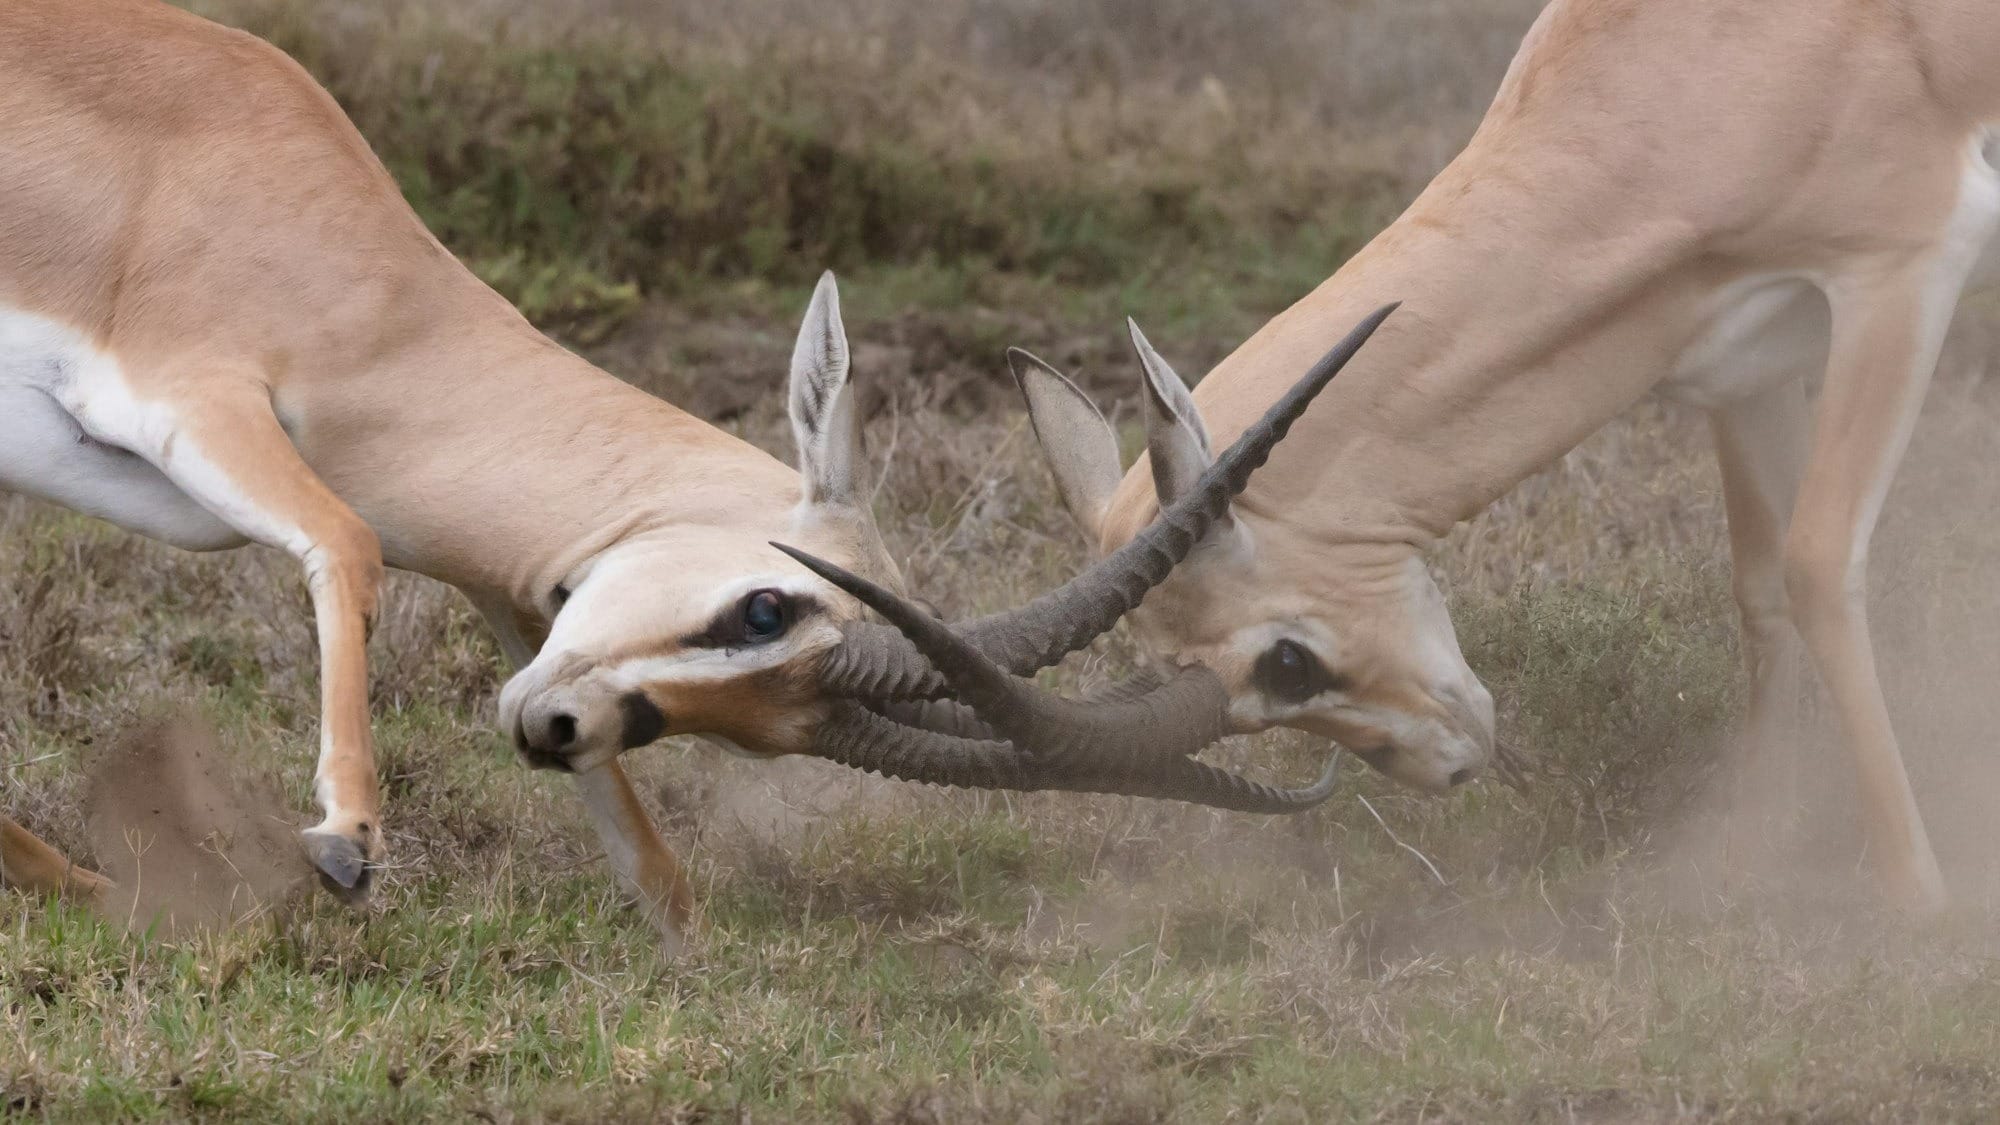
(189, 842)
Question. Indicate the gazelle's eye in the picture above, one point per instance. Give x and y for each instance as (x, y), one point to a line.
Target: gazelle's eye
(1289, 673)
(765, 616)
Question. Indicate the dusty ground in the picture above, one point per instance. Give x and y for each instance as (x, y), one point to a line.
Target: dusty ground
(192, 839)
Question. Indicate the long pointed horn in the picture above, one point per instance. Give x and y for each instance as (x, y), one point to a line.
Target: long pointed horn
(857, 737)
(875, 663)
(1176, 719)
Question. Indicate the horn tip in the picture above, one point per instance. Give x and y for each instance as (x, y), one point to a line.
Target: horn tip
(811, 562)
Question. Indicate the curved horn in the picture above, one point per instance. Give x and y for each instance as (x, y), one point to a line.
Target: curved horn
(855, 736)
(876, 663)
(1123, 738)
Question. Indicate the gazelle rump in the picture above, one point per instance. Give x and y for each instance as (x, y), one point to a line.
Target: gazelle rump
(1711, 200)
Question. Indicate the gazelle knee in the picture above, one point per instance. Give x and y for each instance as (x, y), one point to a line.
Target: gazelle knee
(1763, 605)
(1824, 580)
(347, 563)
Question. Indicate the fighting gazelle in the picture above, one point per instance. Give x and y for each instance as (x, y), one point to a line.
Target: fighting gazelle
(221, 324)
(1713, 199)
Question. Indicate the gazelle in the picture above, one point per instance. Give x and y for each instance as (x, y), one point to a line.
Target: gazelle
(1711, 199)
(221, 324)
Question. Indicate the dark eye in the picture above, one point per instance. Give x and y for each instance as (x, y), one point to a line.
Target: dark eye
(560, 596)
(1290, 673)
(765, 616)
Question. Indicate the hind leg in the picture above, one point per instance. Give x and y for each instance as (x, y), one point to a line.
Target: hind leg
(1761, 446)
(35, 867)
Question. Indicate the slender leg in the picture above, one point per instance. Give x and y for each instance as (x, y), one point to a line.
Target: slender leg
(33, 866)
(218, 440)
(1761, 445)
(1887, 329)
(644, 863)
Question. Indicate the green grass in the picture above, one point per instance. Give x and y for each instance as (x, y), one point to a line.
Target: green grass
(910, 955)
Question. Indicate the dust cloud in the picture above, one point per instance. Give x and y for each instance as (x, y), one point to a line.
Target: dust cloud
(191, 842)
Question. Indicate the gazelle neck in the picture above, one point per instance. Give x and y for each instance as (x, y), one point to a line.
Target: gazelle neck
(1526, 323)
(516, 460)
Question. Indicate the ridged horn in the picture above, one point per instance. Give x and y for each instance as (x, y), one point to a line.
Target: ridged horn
(873, 662)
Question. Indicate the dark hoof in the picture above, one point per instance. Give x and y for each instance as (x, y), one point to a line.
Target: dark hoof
(342, 867)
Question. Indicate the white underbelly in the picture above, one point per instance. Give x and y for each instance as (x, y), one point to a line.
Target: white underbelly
(44, 453)
(1762, 332)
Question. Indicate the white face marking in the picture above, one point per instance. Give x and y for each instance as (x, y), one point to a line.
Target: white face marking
(573, 670)
(1449, 732)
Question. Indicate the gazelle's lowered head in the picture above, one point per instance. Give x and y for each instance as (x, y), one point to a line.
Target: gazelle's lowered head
(700, 626)
(1349, 640)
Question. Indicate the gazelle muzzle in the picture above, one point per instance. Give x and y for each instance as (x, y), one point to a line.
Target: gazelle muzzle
(926, 701)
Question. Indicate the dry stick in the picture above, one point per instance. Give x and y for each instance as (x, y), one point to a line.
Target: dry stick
(1442, 881)
(889, 457)
(961, 508)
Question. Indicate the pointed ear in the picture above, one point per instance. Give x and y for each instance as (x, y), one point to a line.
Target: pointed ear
(824, 420)
(1175, 437)
(1080, 447)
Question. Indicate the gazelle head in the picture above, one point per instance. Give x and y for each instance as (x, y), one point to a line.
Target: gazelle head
(1346, 640)
(700, 625)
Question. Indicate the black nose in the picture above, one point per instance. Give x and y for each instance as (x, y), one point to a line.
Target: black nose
(542, 743)
(1460, 777)
(562, 731)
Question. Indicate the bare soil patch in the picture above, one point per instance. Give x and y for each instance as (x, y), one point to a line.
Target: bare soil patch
(190, 840)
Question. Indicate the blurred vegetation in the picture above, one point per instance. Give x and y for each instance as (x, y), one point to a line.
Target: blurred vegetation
(579, 171)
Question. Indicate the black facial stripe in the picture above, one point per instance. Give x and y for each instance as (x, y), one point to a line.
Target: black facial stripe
(643, 722)
(725, 629)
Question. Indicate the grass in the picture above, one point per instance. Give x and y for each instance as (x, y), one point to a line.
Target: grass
(879, 953)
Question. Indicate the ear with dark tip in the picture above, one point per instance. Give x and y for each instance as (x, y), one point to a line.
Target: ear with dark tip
(1081, 448)
(824, 420)
(1176, 440)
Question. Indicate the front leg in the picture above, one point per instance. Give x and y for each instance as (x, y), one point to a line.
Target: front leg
(1761, 445)
(642, 860)
(211, 429)
(1888, 327)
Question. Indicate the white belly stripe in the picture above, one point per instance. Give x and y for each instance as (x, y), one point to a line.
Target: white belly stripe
(47, 453)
